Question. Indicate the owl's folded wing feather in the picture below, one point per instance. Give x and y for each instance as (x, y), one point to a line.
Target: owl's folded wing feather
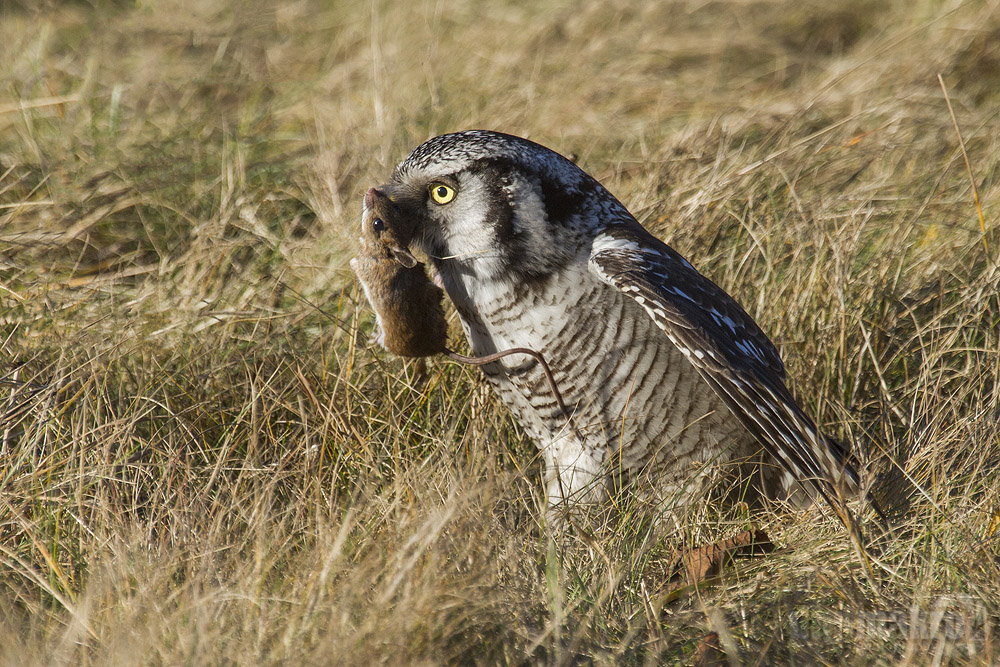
(727, 348)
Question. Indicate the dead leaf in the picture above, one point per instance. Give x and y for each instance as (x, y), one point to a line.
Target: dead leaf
(709, 652)
(702, 564)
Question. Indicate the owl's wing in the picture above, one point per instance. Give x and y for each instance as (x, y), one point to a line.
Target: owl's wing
(727, 348)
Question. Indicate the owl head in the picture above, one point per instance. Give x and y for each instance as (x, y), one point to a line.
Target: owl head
(498, 207)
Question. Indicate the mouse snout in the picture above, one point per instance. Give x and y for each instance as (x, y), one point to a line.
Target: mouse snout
(370, 197)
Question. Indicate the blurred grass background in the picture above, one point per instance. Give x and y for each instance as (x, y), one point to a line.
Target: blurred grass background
(202, 462)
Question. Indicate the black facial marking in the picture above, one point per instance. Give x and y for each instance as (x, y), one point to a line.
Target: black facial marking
(495, 173)
(561, 204)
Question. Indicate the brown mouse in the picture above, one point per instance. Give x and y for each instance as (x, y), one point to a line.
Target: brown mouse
(408, 312)
(409, 316)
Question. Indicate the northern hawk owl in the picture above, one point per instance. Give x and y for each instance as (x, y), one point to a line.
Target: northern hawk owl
(665, 375)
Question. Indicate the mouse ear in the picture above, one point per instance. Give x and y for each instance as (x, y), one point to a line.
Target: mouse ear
(404, 257)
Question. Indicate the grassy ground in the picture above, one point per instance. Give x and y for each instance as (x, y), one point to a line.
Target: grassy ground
(202, 461)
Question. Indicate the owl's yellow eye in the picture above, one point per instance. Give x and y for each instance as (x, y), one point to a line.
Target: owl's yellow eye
(441, 193)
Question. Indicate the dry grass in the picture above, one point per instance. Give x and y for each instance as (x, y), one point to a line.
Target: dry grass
(203, 463)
